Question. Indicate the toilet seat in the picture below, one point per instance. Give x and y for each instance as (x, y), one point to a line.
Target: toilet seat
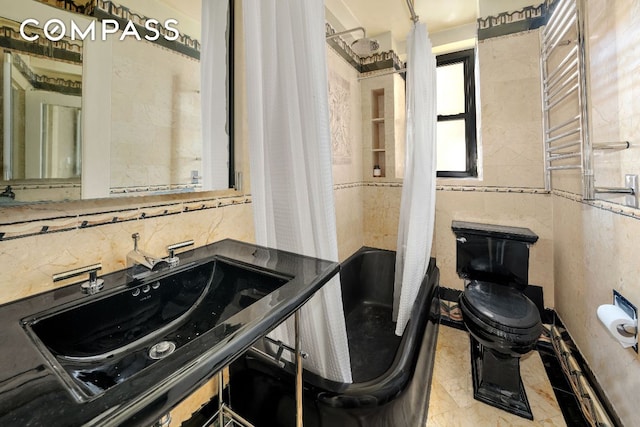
(497, 312)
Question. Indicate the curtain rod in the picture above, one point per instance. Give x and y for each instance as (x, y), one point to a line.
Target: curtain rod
(412, 11)
(402, 70)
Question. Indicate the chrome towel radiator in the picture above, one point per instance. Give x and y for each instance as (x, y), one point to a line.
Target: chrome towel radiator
(565, 117)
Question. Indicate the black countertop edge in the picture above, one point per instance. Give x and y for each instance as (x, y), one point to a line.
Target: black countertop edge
(32, 393)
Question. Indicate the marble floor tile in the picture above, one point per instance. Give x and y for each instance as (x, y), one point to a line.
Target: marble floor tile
(451, 403)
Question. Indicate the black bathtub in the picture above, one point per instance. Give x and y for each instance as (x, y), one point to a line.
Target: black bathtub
(391, 375)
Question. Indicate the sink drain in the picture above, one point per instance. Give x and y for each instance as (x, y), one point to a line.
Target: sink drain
(162, 350)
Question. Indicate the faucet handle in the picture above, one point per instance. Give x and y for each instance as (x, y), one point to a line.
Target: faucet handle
(135, 237)
(173, 260)
(91, 286)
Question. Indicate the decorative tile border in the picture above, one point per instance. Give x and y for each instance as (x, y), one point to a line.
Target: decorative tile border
(346, 186)
(52, 84)
(64, 50)
(20, 229)
(382, 184)
(367, 184)
(590, 405)
(604, 205)
(107, 9)
(78, 6)
(461, 188)
(154, 189)
(528, 18)
(473, 188)
(43, 186)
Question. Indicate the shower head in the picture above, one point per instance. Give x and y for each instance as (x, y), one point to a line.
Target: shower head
(361, 47)
(365, 46)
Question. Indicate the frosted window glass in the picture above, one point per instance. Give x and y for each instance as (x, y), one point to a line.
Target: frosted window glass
(450, 89)
(452, 150)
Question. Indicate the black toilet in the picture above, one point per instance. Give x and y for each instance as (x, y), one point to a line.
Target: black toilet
(503, 323)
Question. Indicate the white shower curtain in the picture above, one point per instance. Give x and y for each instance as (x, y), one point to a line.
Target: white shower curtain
(291, 175)
(417, 209)
(213, 95)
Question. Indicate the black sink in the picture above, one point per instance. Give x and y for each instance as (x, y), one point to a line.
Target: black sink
(109, 339)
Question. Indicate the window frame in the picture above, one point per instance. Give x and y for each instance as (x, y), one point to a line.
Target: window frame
(467, 58)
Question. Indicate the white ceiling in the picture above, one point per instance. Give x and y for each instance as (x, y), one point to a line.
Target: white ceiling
(190, 8)
(393, 15)
(441, 16)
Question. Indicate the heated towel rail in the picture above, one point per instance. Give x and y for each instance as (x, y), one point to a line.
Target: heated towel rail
(564, 99)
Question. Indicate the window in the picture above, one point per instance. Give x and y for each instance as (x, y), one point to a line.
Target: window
(456, 106)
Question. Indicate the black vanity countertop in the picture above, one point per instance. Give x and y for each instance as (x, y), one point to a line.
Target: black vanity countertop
(33, 394)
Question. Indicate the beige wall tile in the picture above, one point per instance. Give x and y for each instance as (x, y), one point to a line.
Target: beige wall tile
(349, 220)
(510, 108)
(162, 126)
(28, 263)
(533, 211)
(614, 28)
(381, 215)
(594, 255)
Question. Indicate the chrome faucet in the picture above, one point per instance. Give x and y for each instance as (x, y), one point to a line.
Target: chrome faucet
(140, 264)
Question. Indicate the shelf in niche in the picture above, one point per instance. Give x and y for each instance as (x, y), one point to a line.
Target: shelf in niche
(379, 159)
(378, 142)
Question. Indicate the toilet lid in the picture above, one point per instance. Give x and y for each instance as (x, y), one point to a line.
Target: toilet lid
(501, 306)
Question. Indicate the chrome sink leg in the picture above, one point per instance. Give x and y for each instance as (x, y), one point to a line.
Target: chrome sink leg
(298, 371)
(220, 400)
(164, 421)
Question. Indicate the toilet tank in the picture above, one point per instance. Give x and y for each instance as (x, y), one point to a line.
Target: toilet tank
(493, 253)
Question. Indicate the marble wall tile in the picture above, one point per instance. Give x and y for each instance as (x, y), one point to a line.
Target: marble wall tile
(381, 216)
(614, 53)
(29, 262)
(594, 242)
(533, 211)
(349, 220)
(49, 192)
(594, 255)
(163, 124)
(510, 109)
(512, 156)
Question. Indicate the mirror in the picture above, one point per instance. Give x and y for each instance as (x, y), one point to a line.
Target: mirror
(134, 127)
(41, 127)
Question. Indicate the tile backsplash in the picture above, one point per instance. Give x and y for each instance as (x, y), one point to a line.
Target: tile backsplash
(32, 251)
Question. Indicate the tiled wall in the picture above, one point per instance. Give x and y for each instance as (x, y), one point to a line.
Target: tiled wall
(346, 129)
(510, 190)
(78, 238)
(161, 124)
(614, 29)
(595, 242)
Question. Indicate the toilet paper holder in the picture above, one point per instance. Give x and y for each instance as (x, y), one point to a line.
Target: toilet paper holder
(628, 329)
